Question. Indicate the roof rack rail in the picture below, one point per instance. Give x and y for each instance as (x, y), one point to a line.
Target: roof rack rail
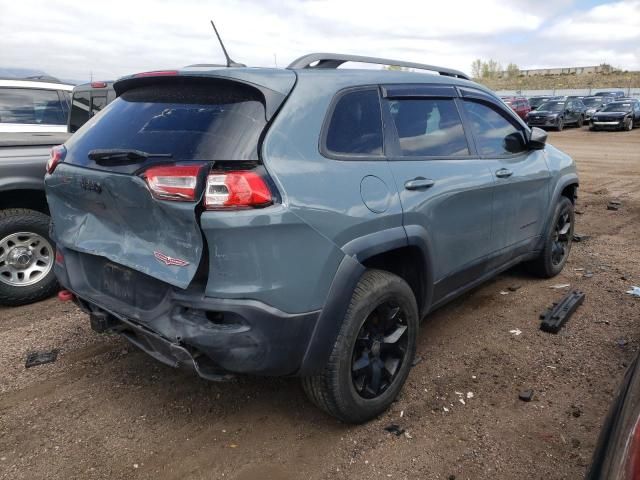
(334, 60)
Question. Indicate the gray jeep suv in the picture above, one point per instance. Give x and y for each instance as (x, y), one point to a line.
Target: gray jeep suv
(300, 221)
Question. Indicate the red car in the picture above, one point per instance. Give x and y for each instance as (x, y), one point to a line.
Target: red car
(520, 105)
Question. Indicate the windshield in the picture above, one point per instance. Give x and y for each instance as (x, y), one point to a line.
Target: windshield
(552, 107)
(216, 120)
(534, 102)
(618, 107)
(592, 102)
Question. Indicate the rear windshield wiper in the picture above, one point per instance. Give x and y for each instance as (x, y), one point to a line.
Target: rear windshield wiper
(111, 156)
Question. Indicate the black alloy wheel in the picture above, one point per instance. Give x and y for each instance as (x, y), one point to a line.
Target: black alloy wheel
(379, 351)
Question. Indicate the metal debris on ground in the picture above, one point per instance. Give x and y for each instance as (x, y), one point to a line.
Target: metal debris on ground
(560, 285)
(395, 429)
(515, 331)
(577, 237)
(504, 292)
(526, 395)
(40, 358)
(635, 291)
(556, 316)
(614, 205)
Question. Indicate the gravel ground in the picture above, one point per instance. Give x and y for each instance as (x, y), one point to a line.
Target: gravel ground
(106, 410)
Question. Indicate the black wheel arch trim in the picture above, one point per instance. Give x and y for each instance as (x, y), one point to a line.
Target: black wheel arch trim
(347, 277)
(564, 182)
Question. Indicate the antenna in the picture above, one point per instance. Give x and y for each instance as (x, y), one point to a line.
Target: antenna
(230, 63)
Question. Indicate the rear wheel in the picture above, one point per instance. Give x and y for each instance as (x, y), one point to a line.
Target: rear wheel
(26, 257)
(372, 356)
(557, 244)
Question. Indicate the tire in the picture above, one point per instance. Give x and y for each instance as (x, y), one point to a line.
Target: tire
(27, 232)
(629, 126)
(337, 389)
(546, 265)
(560, 125)
(580, 122)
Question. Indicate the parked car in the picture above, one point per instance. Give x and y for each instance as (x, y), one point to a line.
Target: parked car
(594, 104)
(618, 115)
(33, 105)
(538, 100)
(557, 114)
(26, 250)
(87, 100)
(520, 105)
(617, 454)
(237, 220)
(610, 93)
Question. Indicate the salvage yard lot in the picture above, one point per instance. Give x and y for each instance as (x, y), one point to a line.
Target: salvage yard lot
(106, 410)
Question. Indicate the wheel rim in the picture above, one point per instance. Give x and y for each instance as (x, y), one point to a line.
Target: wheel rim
(561, 239)
(379, 351)
(630, 127)
(25, 259)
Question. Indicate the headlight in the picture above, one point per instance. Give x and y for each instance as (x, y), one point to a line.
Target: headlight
(591, 111)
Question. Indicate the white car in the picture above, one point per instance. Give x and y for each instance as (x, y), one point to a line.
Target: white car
(33, 106)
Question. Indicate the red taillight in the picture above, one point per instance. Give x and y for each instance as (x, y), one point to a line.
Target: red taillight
(173, 182)
(157, 73)
(236, 189)
(59, 257)
(55, 157)
(98, 84)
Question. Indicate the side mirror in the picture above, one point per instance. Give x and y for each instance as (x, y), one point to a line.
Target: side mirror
(538, 139)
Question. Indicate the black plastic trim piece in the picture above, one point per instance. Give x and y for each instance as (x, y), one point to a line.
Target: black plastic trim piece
(556, 316)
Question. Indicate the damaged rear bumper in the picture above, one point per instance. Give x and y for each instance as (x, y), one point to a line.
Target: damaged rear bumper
(183, 328)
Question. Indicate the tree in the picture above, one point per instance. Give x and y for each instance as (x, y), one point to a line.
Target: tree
(476, 68)
(512, 70)
(491, 68)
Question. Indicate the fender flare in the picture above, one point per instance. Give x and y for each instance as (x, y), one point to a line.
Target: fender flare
(348, 275)
(564, 182)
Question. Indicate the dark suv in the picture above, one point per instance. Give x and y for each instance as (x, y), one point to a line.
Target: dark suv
(556, 114)
(300, 221)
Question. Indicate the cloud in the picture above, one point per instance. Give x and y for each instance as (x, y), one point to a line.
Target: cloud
(72, 39)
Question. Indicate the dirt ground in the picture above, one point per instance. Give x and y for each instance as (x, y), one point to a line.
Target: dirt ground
(106, 410)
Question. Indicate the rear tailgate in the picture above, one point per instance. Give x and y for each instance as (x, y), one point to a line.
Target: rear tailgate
(105, 207)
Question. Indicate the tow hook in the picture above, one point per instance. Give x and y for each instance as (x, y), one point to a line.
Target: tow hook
(65, 295)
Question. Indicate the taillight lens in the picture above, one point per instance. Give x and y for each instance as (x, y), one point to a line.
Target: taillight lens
(173, 182)
(236, 189)
(55, 157)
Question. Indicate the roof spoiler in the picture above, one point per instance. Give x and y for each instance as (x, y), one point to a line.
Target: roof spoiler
(334, 60)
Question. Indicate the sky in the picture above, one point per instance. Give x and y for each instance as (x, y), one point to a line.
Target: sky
(103, 40)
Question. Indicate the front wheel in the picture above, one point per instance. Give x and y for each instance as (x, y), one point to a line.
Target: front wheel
(26, 257)
(629, 126)
(372, 355)
(557, 243)
(580, 122)
(560, 125)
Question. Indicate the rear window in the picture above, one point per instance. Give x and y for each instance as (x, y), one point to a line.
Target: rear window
(31, 106)
(429, 127)
(79, 110)
(216, 120)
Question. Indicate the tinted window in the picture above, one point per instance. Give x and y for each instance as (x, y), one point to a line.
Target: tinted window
(429, 127)
(97, 104)
(79, 110)
(494, 134)
(217, 120)
(356, 124)
(32, 106)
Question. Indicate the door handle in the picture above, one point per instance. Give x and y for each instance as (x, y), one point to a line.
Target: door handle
(419, 183)
(504, 173)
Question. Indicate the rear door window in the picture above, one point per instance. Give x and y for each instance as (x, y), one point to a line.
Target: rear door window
(31, 106)
(355, 127)
(80, 108)
(192, 121)
(494, 134)
(429, 128)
